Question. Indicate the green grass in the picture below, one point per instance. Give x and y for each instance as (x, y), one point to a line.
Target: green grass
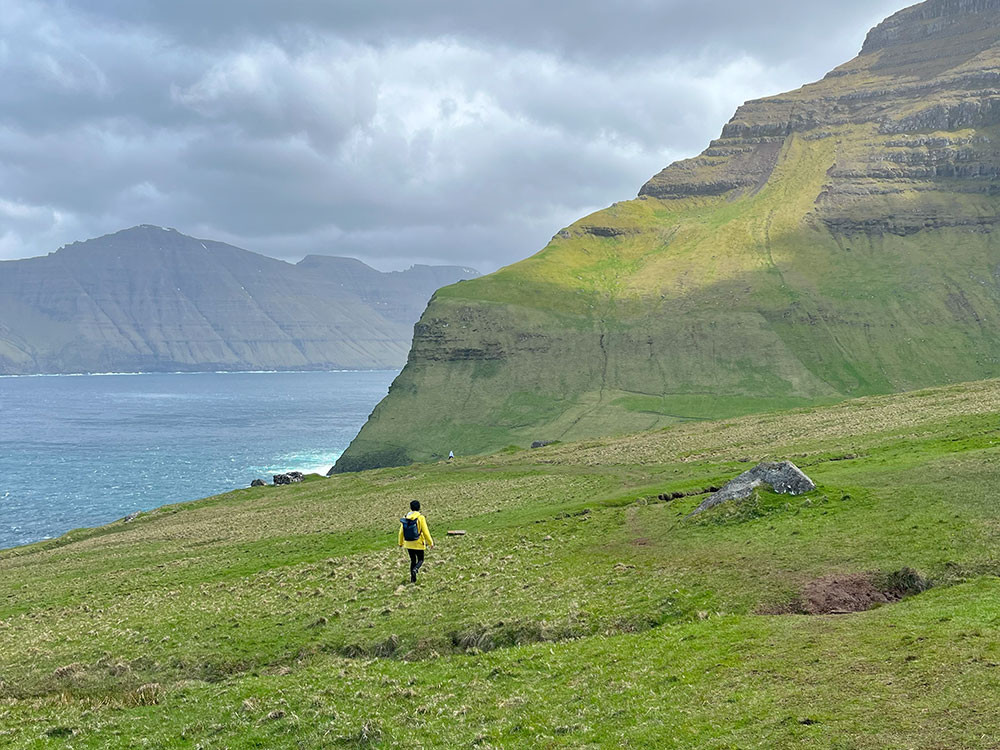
(579, 610)
(704, 406)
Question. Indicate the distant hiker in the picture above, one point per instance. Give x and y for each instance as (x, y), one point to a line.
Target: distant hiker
(451, 455)
(415, 536)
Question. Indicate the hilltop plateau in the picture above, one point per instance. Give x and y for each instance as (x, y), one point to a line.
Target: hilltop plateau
(835, 241)
(150, 299)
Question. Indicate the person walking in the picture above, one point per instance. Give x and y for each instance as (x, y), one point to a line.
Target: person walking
(415, 537)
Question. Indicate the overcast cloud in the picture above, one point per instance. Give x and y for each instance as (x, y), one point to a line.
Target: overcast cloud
(440, 131)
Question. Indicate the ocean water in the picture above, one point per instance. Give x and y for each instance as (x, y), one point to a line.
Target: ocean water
(85, 450)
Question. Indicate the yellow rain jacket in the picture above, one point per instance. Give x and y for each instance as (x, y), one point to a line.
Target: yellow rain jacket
(424, 540)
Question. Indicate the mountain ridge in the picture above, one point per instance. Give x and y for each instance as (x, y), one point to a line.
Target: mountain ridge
(834, 241)
(153, 299)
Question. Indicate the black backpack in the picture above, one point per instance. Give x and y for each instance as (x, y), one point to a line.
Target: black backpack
(411, 529)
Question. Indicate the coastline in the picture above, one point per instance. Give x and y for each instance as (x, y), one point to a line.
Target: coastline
(104, 446)
(188, 372)
(311, 473)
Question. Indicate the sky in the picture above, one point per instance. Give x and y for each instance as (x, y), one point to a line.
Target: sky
(398, 131)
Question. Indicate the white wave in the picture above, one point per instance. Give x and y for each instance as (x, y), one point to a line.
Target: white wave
(307, 463)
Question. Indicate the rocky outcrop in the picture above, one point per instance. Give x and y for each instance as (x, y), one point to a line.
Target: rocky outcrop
(783, 477)
(292, 477)
(153, 299)
(938, 20)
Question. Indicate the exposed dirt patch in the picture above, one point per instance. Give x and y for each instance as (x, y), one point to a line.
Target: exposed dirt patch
(841, 594)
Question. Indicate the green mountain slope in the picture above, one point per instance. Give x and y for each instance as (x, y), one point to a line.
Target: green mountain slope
(836, 241)
(154, 299)
(580, 609)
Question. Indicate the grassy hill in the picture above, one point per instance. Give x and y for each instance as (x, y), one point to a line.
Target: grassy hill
(835, 241)
(582, 609)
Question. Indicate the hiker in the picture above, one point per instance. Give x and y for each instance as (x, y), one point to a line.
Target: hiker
(415, 536)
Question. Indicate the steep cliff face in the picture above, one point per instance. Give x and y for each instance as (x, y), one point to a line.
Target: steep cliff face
(152, 299)
(835, 241)
(911, 114)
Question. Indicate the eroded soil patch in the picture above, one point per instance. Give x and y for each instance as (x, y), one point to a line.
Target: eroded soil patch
(844, 593)
(841, 594)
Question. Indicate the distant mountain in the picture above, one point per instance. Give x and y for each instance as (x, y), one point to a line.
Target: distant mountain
(153, 299)
(838, 240)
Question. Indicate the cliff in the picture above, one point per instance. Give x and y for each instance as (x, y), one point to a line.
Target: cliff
(835, 241)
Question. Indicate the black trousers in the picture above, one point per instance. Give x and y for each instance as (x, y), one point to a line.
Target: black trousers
(416, 560)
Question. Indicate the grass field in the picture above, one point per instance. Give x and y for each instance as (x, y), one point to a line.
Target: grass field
(580, 609)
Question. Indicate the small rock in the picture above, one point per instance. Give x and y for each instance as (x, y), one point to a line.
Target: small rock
(258, 483)
(132, 516)
(541, 443)
(290, 478)
(548, 538)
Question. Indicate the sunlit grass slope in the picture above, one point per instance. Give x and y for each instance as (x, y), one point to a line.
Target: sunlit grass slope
(580, 609)
(702, 308)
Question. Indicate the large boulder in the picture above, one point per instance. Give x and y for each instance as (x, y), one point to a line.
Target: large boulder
(783, 477)
(290, 478)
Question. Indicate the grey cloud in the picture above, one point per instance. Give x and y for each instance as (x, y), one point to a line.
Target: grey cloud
(324, 93)
(587, 29)
(398, 132)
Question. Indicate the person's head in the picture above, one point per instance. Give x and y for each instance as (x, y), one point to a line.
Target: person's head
(414, 505)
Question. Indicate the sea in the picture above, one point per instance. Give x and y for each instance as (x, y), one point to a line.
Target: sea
(84, 450)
